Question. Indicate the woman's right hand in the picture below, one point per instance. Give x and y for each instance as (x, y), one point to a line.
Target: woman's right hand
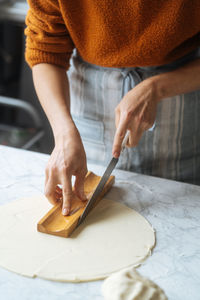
(67, 159)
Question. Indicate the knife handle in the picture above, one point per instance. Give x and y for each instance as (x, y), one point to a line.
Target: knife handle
(125, 140)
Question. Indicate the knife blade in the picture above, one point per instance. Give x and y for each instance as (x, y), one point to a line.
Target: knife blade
(102, 183)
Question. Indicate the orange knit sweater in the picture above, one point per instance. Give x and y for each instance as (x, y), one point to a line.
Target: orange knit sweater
(112, 33)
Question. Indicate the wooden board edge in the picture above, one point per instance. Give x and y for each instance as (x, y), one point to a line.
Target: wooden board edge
(66, 232)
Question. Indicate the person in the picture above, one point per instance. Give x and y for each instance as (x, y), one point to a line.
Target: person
(131, 66)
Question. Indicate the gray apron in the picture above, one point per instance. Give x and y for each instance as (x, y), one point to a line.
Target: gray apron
(171, 149)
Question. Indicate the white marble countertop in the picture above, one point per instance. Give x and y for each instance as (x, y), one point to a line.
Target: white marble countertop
(172, 208)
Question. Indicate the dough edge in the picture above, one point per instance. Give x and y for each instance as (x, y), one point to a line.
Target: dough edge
(82, 278)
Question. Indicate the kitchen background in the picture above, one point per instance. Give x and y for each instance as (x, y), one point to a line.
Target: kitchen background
(22, 121)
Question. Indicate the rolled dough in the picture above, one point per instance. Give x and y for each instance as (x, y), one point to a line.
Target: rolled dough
(112, 237)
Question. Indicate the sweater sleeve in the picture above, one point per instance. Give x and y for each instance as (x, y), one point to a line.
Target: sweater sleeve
(47, 38)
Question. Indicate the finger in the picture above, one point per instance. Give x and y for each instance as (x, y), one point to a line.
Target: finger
(141, 115)
(147, 119)
(118, 139)
(67, 194)
(58, 196)
(58, 190)
(117, 117)
(46, 176)
(50, 188)
(79, 186)
(145, 126)
(135, 136)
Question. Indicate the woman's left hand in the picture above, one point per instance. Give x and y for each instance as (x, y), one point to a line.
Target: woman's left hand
(136, 113)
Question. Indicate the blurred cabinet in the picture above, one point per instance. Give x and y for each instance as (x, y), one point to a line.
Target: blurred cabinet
(11, 51)
(15, 75)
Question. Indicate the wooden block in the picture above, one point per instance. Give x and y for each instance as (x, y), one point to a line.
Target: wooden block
(55, 223)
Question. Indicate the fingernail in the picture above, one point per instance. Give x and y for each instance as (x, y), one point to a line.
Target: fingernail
(84, 197)
(65, 211)
(116, 154)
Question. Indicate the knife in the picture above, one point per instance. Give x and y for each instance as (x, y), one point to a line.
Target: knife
(102, 183)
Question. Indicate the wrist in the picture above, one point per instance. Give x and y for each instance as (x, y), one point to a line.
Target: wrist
(64, 130)
(153, 84)
(159, 87)
(166, 85)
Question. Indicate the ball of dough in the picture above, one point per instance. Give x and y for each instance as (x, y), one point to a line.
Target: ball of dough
(129, 285)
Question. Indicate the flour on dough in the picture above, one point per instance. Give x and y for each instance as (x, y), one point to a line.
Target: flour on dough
(112, 237)
(128, 284)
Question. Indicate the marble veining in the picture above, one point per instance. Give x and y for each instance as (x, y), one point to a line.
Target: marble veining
(173, 209)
